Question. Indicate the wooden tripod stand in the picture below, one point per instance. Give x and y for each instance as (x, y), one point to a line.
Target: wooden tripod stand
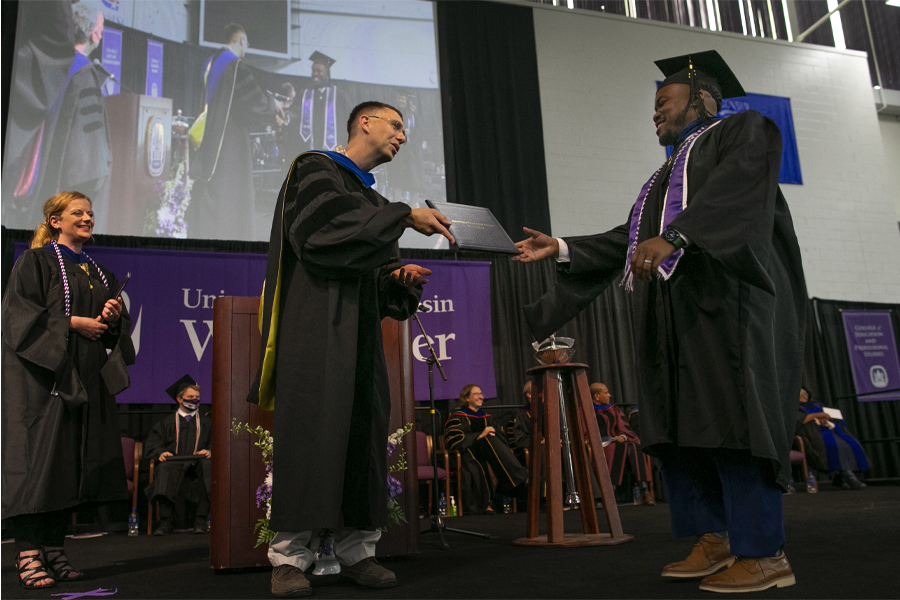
(549, 380)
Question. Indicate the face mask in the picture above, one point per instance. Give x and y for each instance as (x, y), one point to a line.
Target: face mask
(189, 406)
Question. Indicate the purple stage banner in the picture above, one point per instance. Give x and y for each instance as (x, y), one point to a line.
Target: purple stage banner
(153, 85)
(457, 318)
(170, 298)
(111, 58)
(873, 353)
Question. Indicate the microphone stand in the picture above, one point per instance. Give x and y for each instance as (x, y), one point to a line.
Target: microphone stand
(437, 521)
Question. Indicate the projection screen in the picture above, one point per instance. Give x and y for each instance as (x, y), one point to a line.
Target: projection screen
(106, 95)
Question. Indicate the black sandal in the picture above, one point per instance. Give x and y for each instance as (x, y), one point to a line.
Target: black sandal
(28, 575)
(60, 566)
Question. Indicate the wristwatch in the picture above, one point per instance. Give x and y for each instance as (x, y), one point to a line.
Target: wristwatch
(673, 237)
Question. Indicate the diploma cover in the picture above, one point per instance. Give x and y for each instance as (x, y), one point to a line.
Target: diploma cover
(475, 228)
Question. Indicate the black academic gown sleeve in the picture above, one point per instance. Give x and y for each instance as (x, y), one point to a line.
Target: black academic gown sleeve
(595, 261)
(338, 234)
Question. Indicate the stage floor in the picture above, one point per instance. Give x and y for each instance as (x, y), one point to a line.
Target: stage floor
(841, 544)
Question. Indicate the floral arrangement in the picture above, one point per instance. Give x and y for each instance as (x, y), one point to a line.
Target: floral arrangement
(175, 196)
(264, 441)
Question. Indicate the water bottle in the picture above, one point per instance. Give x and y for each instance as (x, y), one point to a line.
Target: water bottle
(442, 505)
(507, 505)
(453, 511)
(812, 486)
(637, 494)
(133, 523)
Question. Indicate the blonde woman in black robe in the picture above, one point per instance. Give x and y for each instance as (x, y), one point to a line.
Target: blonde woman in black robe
(61, 443)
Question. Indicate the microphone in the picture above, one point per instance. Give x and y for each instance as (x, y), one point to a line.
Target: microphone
(104, 70)
(424, 308)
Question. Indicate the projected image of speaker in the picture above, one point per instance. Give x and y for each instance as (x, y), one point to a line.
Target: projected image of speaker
(140, 129)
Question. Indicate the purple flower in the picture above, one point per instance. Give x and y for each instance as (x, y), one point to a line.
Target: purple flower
(394, 486)
(390, 448)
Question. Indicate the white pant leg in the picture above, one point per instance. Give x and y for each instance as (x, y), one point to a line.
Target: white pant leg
(292, 548)
(353, 545)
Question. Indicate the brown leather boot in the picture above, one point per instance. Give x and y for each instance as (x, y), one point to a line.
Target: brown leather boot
(749, 574)
(710, 554)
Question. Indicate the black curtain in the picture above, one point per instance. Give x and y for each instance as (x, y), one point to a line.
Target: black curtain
(493, 135)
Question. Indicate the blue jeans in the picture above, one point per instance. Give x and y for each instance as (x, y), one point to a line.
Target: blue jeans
(712, 490)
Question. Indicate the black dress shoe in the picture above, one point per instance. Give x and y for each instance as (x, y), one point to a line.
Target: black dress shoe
(200, 526)
(851, 479)
(164, 528)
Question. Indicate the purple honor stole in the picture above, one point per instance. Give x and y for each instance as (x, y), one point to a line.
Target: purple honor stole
(674, 203)
(306, 118)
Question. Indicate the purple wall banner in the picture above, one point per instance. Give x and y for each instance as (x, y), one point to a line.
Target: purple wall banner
(457, 319)
(873, 353)
(170, 298)
(112, 59)
(153, 87)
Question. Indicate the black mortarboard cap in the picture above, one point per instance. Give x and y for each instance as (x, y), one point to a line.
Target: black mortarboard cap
(321, 59)
(176, 388)
(710, 69)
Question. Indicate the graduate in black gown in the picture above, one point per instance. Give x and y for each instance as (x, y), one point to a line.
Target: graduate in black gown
(519, 428)
(475, 434)
(713, 267)
(187, 433)
(333, 273)
(61, 444)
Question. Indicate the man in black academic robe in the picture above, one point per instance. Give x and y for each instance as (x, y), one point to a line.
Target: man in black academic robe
(719, 299)
(184, 435)
(223, 202)
(333, 273)
(58, 129)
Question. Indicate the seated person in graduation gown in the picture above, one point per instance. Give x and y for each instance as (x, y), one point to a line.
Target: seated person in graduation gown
(184, 434)
(474, 433)
(518, 430)
(623, 450)
(828, 444)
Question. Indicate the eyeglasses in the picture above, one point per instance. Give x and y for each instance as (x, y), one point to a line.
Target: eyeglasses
(397, 125)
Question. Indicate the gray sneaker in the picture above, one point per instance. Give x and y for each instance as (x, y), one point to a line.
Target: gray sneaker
(289, 582)
(368, 573)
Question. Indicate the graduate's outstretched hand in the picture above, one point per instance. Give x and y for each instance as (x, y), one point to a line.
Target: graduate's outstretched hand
(411, 275)
(648, 256)
(429, 221)
(92, 329)
(537, 246)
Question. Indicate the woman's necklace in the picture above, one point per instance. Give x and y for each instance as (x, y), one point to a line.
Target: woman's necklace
(65, 279)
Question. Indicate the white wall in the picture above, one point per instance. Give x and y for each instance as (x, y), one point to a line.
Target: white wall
(890, 138)
(597, 81)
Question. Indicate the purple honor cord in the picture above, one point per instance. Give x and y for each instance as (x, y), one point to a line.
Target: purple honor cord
(92, 594)
(674, 203)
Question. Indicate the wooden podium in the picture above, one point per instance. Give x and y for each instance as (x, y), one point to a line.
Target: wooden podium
(237, 467)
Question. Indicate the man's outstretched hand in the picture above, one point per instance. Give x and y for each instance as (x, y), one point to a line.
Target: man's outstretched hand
(537, 246)
(429, 221)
